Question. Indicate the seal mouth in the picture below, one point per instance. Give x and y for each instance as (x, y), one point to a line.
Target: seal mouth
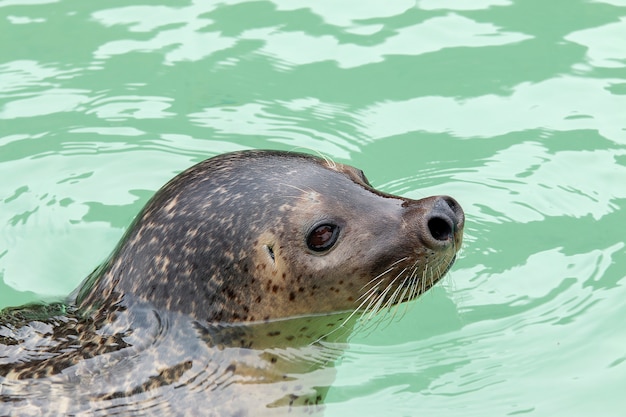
(410, 289)
(450, 264)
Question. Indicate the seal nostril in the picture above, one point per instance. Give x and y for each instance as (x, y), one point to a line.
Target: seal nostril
(440, 229)
(451, 203)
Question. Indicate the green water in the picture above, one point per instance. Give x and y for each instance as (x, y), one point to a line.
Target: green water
(515, 108)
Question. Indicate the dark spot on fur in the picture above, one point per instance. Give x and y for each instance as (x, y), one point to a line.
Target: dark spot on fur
(292, 296)
(274, 333)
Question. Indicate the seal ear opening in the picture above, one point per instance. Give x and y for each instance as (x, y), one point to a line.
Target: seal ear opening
(270, 252)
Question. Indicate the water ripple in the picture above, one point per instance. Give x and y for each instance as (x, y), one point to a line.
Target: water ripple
(515, 108)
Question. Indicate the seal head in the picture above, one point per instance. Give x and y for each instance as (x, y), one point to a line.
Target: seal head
(261, 235)
(211, 303)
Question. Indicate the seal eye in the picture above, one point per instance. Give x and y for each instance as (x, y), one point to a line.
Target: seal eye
(323, 237)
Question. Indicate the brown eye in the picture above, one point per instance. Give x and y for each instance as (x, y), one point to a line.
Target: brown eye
(322, 237)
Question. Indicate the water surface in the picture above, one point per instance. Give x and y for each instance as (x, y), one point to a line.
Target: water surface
(515, 108)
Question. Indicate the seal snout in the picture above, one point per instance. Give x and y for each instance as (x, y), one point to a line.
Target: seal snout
(445, 222)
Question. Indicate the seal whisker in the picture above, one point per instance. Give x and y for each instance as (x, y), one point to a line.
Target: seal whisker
(323, 156)
(371, 306)
(411, 278)
(302, 190)
(328, 160)
(369, 294)
(343, 326)
(390, 302)
(377, 277)
(298, 197)
(423, 280)
(391, 267)
(415, 285)
(381, 297)
(381, 304)
(371, 309)
(408, 286)
(356, 310)
(369, 299)
(375, 287)
(412, 287)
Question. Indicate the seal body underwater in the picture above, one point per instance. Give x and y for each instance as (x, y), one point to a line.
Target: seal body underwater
(218, 299)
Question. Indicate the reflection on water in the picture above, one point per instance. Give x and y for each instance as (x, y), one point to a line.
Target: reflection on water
(145, 362)
(516, 108)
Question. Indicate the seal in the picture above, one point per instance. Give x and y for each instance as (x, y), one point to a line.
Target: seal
(217, 299)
